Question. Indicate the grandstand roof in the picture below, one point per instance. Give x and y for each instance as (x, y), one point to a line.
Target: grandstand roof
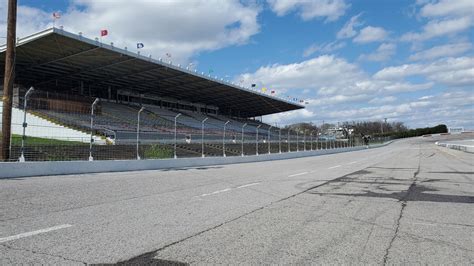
(55, 55)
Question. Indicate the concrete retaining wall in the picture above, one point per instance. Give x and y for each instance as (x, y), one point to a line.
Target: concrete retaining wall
(25, 169)
(459, 147)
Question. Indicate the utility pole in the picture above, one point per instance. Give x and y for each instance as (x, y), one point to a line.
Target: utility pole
(8, 81)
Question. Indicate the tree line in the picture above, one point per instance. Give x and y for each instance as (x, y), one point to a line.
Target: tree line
(373, 128)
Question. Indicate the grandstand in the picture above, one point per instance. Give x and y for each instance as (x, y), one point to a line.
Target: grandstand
(69, 71)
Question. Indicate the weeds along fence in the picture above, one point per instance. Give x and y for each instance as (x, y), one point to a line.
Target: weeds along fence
(58, 127)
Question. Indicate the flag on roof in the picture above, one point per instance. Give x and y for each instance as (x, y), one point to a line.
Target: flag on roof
(56, 15)
(168, 55)
(103, 33)
(264, 89)
(211, 70)
(253, 85)
(140, 45)
(273, 92)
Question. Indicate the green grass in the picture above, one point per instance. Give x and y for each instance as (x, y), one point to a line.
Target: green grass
(157, 152)
(16, 140)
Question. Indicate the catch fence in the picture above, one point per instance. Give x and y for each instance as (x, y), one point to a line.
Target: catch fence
(58, 127)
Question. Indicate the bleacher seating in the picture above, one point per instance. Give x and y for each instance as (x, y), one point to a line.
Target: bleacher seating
(157, 124)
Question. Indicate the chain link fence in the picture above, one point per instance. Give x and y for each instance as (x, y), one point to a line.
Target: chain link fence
(60, 127)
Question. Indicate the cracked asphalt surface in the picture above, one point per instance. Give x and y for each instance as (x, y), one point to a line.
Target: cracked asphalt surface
(408, 202)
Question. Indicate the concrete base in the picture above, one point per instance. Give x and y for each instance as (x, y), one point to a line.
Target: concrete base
(25, 169)
(457, 146)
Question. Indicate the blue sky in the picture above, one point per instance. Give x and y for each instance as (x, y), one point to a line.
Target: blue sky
(406, 60)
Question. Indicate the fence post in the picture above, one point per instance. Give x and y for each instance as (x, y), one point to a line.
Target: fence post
(223, 139)
(256, 140)
(243, 138)
(279, 140)
(268, 139)
(92, 124)
(288, 140)
(304, 140)
(175, 139)
(297, 142)
(23, 137)
(138, 131)
(202, 136)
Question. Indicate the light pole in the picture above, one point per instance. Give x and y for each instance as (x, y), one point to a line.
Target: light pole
(311, 139)
(256, 140)
(175, 140)
(244, 125)
(92, 124)
(138, 131)
(279, 140)
(202, 136)
(268, 138)
(223, 139)
(23, 137)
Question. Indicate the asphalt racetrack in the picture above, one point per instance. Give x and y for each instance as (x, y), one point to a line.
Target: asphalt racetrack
(410, 202)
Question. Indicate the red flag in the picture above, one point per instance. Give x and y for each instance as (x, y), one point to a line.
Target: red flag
(103, 33)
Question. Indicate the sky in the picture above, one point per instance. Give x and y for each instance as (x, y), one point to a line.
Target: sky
(405, 60)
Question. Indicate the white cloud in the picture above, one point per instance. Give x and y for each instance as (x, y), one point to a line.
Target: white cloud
(348, 31)
(323, 48)
(448, 7)
(338, 90)
(437, 28)
(307, 10)
(371, 34)
(442, 51)
(451, 108)
(446, 18)
(29, 20)
(448, 71)
(407, 87)
(324, 73)
(382, 100)
(203, 25)
(384, 52)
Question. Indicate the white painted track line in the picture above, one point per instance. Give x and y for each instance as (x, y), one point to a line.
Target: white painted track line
(336, 166)
(249, 185)
(298, 174)
(228, 189)
(216, 192)
(353, 162)
(27, 234)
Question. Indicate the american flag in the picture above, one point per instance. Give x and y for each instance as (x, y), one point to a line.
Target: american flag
(56, 15)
